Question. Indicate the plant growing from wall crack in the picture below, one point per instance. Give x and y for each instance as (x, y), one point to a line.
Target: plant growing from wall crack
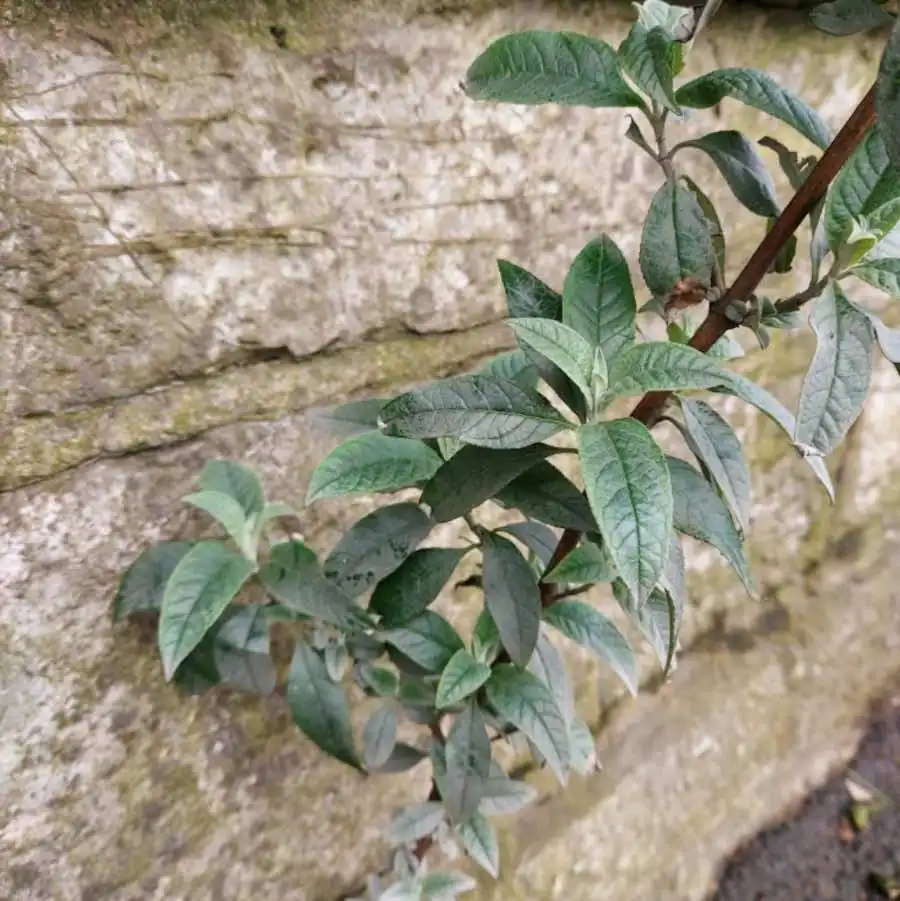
(361, 616)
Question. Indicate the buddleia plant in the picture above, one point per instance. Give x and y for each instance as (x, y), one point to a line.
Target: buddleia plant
(361, 614)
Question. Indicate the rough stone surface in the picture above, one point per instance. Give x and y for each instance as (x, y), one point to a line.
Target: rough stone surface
(205, 236)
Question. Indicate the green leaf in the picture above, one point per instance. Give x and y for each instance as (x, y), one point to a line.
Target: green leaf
(548, 665)
(446, 886)
(713, 223)
(776, 411)
(701, 513)
(485, 638)
(235, 480)
(545, 494)
(230, 515)
(467, 758)
(201, 586)
(415, 822)
(534, 67)
(741, 166)
(837, 382)
(512, 596)
(354, 418)
(592, 630)
(241, 649)
(480, 841)
(319, 706)
(415, 585)
(336, 661)
(864, 187)
(526, 295)
(845, 17)
(515, 366)
(756, 89)
(522, 699)
(379, 737)
(474, 475)
(673, 579)
(676, 21)
(584, 749)
(587, 563)
(383, 682)
(888, 340)
(428, 640)
(477, 409)
(404, 757)
(598, 298)
(652, 59)
(664, 366)
(881, 274)
(561, 345)
(540, 540)
(503, 795)
(375, 546)
(716, 446)
(142, 586)
(294, 578)
(675, 242)
(628, 488)
(370, 463)
(887, 95)
(658, 621)
(462, 676)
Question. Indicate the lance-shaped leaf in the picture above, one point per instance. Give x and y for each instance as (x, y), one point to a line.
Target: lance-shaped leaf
(235, 480)
(561, 345)
(658, 621)
(522, 699)
(545, 494)
(701, 513)
(526, 295)
(201, 587)
(480, 841)
(241, 649)
(445, 886)
(404, 757)
(371, 463)
(675, 242)
(467, 757)
(476, 409)
(512, 596)
(485, 638)
(888, 340)
(428, 640)
(837, 382)
(375, 546)
(652, 59)
(592, 630)
(628, 487)
(713, 223)
(354, 418)
(230, 515)
(413, 587)
(294, 578)
(548, 665)
(473, 475)
(142, 586)
(883, 274)
(379, 737)
(742, 167)
(664, 366)
(867, 188)
(319, 706)
(758, 90)
(779, 414)
(584, 748)
(534, 67)
(503, 795)
(415, 822)
(462, 676)
(514, 366)
(887, 95)
(589, 562)
(716, 446)
(539, 539)
(844, 17)
(598, 298)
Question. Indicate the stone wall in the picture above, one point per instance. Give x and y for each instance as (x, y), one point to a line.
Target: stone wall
(210, 229)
